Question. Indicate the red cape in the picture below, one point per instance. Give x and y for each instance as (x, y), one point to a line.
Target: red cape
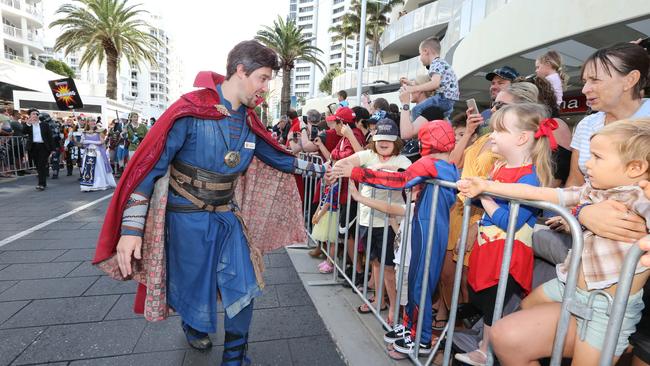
(200, 104)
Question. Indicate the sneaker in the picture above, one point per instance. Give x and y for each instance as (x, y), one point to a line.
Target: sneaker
(325, 267)
(406, 346)
(399, 331)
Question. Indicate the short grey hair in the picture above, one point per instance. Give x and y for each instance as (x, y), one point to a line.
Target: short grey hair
(313, 116)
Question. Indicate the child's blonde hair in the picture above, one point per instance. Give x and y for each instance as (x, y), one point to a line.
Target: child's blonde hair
(529, 116)
(553, 59)
(631, 137)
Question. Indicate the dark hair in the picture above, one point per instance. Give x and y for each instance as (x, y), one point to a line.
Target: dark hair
(381, 104)
(252, 55)
(30, 110)
(433, 113)
(622, 58)
(393, 108)
(292, 114)
(360, 114)
(546, 95)
(459, 120)
(399, 144)
(343, 94)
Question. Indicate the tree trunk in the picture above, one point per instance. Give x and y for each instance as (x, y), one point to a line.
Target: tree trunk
(285, 98)
(111, 72)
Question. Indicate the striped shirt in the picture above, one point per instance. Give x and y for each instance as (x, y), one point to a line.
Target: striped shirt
(592, 124)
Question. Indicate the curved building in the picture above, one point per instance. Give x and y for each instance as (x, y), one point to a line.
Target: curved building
(481, 35)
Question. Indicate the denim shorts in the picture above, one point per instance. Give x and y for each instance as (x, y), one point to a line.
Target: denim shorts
(597, 327)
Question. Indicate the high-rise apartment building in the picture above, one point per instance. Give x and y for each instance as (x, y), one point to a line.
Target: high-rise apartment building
(316, 17)
(22, 30)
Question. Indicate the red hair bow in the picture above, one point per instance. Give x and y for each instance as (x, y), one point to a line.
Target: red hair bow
(546, 127)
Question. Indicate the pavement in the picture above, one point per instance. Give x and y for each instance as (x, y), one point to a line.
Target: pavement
(56, 308)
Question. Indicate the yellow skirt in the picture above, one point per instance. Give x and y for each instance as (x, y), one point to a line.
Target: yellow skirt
(326, 229)
(456, 225)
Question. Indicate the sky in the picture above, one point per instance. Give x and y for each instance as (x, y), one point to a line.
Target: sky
(203, 30)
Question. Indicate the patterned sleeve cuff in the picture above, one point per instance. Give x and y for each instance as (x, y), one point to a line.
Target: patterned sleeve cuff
(308, 168)
(134, 215)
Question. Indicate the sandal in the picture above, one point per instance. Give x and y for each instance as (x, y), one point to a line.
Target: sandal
(473, 361)
(365, 309)
(439, 324)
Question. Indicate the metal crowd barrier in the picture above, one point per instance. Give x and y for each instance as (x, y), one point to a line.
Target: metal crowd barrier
(13, 154)
(569, 304)
(617, 312)
(310, 183)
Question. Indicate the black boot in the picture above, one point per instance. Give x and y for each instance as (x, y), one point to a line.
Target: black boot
(196, 339)
(234, 350)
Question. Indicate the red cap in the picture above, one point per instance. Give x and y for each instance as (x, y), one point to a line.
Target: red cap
(436, 136)
(344, 114)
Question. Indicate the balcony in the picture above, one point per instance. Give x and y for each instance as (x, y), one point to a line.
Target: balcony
(24, 60)
(403, 36)
(390, 73)
(21, 7)
(22, 35)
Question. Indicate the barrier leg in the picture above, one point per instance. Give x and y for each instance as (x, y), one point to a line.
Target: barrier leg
(406, 234)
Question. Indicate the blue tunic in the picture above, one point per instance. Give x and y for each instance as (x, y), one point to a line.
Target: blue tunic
(207, 252)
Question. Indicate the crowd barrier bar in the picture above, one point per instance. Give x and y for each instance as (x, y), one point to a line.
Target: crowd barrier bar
(309, 185)
(15, 158)
(569, 304)
(617, 312)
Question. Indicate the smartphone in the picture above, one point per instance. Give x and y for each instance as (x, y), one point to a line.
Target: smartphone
(471, 103)
(313, 133)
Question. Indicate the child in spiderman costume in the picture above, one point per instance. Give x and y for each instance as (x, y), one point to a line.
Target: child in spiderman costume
(437, 141)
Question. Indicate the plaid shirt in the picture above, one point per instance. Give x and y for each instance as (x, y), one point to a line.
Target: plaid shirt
(602, 259)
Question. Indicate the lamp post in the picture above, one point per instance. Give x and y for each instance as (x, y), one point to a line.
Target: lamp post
(362, 51)
(362, 45)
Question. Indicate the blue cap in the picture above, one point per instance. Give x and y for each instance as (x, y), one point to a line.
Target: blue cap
(386, 130)
(505, 72)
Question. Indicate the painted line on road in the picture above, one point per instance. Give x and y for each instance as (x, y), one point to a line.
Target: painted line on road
(51, 221)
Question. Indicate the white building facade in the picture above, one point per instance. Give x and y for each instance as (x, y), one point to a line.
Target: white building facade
(316, 17)
(22, 30)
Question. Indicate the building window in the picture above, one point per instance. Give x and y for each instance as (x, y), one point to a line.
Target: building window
(305, 1)
(338, 10)
(338, 1)
(302, 95)
(303, 69)
(335, 47)
(292, 8)
(337, 19)
(306, 9)
(305, 18)
(306, 26)
(302, 77)
(302, 86)
(335, 56)
(308, 34)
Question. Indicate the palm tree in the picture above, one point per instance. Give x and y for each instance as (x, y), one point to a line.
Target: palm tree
(325, 84)
(105, 29)
(291, 44)
(344, 32)
(376, 22)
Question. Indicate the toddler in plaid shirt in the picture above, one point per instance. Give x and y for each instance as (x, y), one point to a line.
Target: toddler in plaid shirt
(620, 160)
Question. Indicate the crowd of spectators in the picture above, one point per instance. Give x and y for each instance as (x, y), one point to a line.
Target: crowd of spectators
(398, 146)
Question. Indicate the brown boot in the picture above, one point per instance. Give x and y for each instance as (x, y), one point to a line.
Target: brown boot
(316, 252)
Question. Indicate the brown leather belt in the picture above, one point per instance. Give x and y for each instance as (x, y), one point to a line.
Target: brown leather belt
(208, 191)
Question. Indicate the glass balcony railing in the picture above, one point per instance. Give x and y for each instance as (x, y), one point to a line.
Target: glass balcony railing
(24, 60)
(390, 73)
(26, 35)
(427, 16)
(22, 5)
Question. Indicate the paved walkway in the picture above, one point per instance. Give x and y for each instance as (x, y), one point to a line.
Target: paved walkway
(57, 308)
